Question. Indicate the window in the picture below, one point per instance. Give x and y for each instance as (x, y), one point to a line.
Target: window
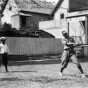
(23, 21)
(62, 15)
(83, 22)
(10, 8)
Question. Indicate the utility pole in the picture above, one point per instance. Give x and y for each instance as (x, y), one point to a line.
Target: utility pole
(86, 40)
(1, 3)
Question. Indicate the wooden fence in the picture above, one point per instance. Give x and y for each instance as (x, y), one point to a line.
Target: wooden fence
(34, 46)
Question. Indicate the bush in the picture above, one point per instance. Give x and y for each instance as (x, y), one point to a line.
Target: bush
(7, 30)
(6, 27)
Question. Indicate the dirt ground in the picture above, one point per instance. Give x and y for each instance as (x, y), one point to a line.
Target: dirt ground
(43, 76)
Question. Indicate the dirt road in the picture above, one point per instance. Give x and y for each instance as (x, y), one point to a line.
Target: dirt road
(43, 76)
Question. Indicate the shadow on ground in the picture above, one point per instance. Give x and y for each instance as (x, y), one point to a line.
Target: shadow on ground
(15, 63)
(35, 57)
(35, 79)
(21, 71)
(34, 60)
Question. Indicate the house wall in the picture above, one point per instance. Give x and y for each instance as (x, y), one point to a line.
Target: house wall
(11, 16)
(62, 24)
(56, 25)
(62, 10)
(47, 24)
(10, 10)
(15, 21)
(33, 20)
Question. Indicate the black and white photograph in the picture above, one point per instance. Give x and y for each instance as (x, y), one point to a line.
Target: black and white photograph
(43, 43)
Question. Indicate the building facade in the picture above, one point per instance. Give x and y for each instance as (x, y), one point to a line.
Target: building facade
(26, 13)
(71, 17)
(62, 15)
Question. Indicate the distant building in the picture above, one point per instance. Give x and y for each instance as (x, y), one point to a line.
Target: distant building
(2, 7)
(27, 13)
(65, 11)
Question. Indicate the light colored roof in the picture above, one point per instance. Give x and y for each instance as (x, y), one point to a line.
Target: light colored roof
(35, 6)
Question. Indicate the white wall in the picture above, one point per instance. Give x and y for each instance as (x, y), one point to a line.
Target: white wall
(49, 24)
(53, 27)
(15, 20)
(62, 10)
(9, 13)
(56, 25)
(76, 29)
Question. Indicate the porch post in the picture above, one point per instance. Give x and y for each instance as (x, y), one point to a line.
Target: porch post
(86, 36)
(0, 19)
(68, 27)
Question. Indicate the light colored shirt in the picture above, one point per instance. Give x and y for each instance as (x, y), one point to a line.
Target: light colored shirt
(3, 48)
(65, 41)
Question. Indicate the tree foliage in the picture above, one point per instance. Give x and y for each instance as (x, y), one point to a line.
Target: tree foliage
(8, 30)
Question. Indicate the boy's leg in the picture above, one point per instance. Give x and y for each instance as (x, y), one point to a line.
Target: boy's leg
(5, 61)
(0, 60)
(75, 61)
(65, 60)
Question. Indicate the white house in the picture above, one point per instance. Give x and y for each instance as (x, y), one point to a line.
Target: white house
(63, 13)
(26, 13)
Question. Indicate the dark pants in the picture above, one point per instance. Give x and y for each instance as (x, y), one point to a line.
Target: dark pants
(66, 57)
(5, 61)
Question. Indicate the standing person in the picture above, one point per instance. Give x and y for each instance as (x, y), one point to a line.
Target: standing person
(4, 52)
(69, 53)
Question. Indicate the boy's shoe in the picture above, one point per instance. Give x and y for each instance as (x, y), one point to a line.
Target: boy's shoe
(60, 74)
(83, 76)
(7, 70)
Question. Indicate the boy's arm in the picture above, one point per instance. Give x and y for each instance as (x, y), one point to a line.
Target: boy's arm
(7, 49)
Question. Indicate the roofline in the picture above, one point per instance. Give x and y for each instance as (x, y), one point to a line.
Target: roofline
(4, 6)
(56, 8)
(35, 12)
(26, 11)
(76, 16)
(77, 10)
